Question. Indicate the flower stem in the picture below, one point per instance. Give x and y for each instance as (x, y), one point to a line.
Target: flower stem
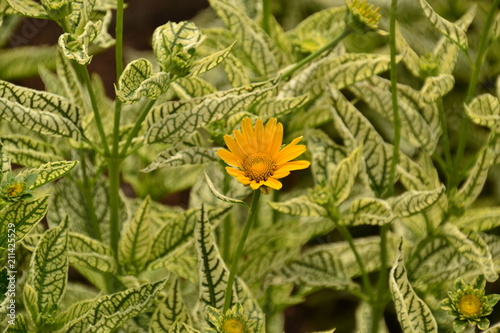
(239, 250)
(137, 127)
(86, 190)
(310, 57)
(476, 68)
(119, 70)
(266, 15)
(114, 166)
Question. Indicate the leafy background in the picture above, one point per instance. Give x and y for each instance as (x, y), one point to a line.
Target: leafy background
(324, 309)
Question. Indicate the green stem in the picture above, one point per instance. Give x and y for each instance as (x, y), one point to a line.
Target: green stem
(310, 57)
(119, 70)
(239, 250)
(114, 165)
(476, 68)
(446, 141)
(394, 95)
(266, 15)
(84, 73)
(226, 237)
(137, 127)
(94, 227)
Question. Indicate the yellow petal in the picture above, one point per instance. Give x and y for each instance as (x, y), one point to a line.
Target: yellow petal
(259, 134)
(234, 147)
(249, 134)
(254, 185)
(229, 158)
(244, 180)
(235, 172)
(276, 140)
(243, 142)
(281, 173)
(292, 165)
(289, 153)
(273, 183)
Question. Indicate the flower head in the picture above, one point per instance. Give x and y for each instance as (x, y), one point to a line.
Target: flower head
(468, 304)
(233, 321)
(14, 189)
(256, 155)
(361, 16)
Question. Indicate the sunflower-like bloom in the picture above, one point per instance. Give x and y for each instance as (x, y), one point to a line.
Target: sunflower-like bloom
(233, 321)
(362, 17)
(468, 304)
(257, 157)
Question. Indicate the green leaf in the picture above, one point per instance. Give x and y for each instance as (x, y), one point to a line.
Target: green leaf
(341, 71)
(85, 252)
(413, 314)
(213, 272)
(24, 215)
(4, 163)
(80, 14)
(136, 240)
(448, 29)
(357, 130)
(254, 43)
(170, 311)
(137, 80)
(193, 114)
(76, 311)
(436, 87)
(49, 172)
(479, 219)
(222, 197)
(76, 47)
(191, 87)
(484, 110)
(30, 152)
(369, 211)
(188, 156)
(413, 202)
(414, 177)
(276, 107)
(326, 21)
(205, 64)
(28, 8)
(48, 273)
(300, 206)
(472, 247)
(343, 176)
(41, 101)
(24, 61)
(40, 121)
(112, 311)
(410, 58)
(474, 183)
(69, 79)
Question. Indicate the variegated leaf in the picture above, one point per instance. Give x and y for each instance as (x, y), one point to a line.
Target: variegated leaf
(212, 270)
(472, 247)
(251, 38)
(300, 206)
(188, 156)
(191, 87)
(137, 80)
(410, 58)
(251, 307)
(28, 8)
(484, 110)
(276, 107)
(436, 87)
(479, 219)
(364, 319)
(40, 100)
(174, 127)
(172, 39)
(369, 211)
(48, 273)
(24, 61)
(41, 121)
(30, 152)
(136, 240)
(235, 71)
(77, 310)
(323, 20)
(77, 47)
(355, 127)
(49, 172)
(80, 15)
(69, 79)
(24, 215)
(473, 185)
(413, 314)
(342, 177)
(450, 30)
(220, 196)
(205, 64)
(112, 311)
(413, 202)
(325, 154)
(170, 311)
(85, 252)
(414, 177)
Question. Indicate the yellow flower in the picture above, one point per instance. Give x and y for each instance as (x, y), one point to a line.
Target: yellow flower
(257, 157)
(362, 17)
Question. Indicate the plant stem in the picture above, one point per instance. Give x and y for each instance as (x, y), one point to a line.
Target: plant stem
(446, 141)
(476, 68)
(136, 127)
(119, 70)
(94, 227)
(239, 250)
(310, 57)
(95, 108)
(266, 15)
(114, 166)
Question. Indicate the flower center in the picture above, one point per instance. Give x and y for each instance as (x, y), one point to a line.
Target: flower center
(233, 326)
(15, 190)
(259, 166)
(469, 305)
